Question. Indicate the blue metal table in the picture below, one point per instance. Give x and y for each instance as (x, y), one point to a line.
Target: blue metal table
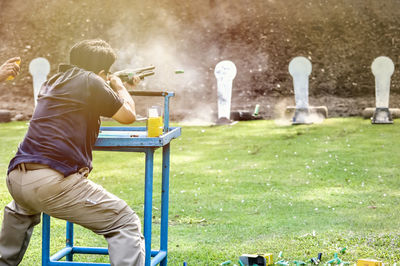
(127, 139)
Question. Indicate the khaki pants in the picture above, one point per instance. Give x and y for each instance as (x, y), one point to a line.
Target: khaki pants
(73, 198)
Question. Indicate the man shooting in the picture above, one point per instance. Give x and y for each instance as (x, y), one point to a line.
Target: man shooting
(49, 171)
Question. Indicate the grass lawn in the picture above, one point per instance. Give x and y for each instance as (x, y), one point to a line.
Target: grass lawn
(257, 187)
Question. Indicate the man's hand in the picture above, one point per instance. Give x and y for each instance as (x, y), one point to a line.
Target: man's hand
(10, 68)
(116, 83)
(132, 85)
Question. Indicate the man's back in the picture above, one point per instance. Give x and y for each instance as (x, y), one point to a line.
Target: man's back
(65, 124)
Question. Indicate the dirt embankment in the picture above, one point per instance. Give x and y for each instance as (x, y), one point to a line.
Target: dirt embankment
(341, 38)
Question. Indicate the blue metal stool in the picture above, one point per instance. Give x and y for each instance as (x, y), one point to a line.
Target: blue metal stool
(128, 139)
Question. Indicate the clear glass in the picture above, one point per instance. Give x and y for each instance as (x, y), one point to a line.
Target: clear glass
(155, 123)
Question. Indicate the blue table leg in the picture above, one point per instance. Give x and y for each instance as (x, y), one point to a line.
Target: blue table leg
(45, 239)
(70, 240)
(164, 202)
(148, 203)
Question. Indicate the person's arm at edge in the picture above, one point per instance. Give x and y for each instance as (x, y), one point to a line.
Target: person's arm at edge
(9, 68)
(126, 114)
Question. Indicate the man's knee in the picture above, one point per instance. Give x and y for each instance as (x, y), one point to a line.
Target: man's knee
(129, 218)
(13, 211)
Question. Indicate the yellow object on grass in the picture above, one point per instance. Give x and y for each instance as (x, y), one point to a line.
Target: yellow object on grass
(269, 259)
(368, 262)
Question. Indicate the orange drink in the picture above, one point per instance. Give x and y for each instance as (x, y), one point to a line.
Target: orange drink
(154, 126)
(154, 122)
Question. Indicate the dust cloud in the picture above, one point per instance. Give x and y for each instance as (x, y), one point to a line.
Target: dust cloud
(170, 44)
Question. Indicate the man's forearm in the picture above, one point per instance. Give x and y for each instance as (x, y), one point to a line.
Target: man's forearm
(119, 88)
(127, 98)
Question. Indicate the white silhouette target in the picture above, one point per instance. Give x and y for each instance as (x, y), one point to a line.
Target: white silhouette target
(39, 69)
(300, 68)
(382, 68)
(225, 72)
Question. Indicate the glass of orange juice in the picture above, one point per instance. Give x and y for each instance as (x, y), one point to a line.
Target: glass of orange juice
(154, 122)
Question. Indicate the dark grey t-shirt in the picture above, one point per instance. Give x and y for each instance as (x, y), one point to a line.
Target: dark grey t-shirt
(65, 124)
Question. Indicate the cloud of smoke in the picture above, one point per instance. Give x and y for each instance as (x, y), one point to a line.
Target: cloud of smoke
(163, 54)
(285, 110)
(162, 47)
(283, 118)
(170, 43)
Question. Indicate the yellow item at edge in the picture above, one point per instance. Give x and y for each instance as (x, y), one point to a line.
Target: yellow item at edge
(12, 77)
(368, 262)
(154, 126)
(269, 258)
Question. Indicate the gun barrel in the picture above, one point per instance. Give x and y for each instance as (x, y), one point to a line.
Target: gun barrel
(127, 74)
(146, 74)
(133, 72)
(145, 69)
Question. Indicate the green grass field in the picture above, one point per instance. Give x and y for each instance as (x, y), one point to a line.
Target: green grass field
(257, 187)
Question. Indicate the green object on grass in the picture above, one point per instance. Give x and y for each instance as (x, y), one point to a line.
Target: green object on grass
(335, 260)
(282, 262)
(343, 250)
(256, 110)
(331, 261)
(226, 262)
(241, 263)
